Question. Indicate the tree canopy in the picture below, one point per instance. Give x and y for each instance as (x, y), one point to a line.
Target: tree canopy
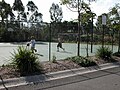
(56, 13)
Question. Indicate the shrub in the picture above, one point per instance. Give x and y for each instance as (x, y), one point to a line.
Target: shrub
(54, 59)
(117, 54)
(25, 61)
(104, 53)
(82, 61)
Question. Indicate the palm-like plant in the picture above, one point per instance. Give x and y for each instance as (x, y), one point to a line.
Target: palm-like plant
(104, 53)
(25, 61)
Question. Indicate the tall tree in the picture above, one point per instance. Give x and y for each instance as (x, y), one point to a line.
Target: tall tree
(70, 1)
(18, 6)
(38, 17)
(78, 6)
(33, 15)
(56, 16)
(56, 13)
(114, 16)
(32, 10)
(5, 11)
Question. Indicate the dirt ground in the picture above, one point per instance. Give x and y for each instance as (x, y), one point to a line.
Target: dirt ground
(9, 72)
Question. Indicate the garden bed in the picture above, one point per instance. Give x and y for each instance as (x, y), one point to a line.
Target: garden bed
(47, 67)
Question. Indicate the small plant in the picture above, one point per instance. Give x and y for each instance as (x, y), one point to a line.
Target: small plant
(104, 53)
(84, 62)
(54, 59)
(25, 61)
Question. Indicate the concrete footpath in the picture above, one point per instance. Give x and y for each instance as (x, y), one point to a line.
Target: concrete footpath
(56, 79)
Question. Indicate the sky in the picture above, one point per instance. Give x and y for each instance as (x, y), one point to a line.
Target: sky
(98, 7)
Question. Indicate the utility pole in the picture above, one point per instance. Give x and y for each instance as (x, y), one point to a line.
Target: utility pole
(78, 53)
(92, 27)
(50, 41)
(119, 31)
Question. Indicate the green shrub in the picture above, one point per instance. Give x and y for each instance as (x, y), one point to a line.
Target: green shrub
(54, 59)
(117, 54)
(25, 61)
(82, 61)
(104, 53)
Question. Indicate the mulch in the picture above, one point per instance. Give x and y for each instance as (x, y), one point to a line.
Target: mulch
(9, 72)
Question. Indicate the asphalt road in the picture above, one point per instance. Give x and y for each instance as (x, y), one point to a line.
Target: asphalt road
(99, 80)
(108, 80)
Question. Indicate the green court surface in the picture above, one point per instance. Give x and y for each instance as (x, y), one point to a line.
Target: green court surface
(43, 50)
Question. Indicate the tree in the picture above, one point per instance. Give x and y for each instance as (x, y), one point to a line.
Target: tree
(56, 13)
(5, 14)
(32, 11)
(5, 10)
(56, 17)
(38, 17)
(78, 5)
(69, 1)
(18, 6)
(87, 26)
(114, 16)
(32, 14)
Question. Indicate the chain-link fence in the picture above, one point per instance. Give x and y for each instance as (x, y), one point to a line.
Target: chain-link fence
(58, 40)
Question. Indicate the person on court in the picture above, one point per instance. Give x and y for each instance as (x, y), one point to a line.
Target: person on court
(59, 45)
(32, 42)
